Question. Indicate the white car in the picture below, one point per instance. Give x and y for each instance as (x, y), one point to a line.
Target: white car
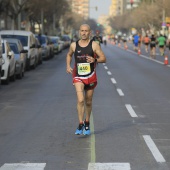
(28, 41)
(8, 63)
(20, 57)
(0, 57)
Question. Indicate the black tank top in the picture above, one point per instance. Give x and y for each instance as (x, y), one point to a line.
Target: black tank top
(81, 64)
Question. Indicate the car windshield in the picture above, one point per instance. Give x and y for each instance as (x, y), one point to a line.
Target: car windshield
(41, 39)
(54, 40)
(14, 48)
(22, 38)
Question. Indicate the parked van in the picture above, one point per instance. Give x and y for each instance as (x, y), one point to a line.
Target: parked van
(28, 41)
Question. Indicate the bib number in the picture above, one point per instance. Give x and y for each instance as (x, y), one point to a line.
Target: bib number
(83, 68)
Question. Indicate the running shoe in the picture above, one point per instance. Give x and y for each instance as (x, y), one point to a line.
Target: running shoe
(79, 130)
(86, 130)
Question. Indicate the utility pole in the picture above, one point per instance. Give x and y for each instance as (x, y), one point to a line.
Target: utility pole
(42, 21)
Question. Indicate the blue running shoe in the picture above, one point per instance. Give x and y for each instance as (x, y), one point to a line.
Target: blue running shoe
(79, 130)
(86, 130)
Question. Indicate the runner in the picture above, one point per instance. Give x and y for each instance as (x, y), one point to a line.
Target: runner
(136, 42)
(97, 38)
(153, 46)
(84, 74)
(161, 43)
(124, 39)
(146, 42)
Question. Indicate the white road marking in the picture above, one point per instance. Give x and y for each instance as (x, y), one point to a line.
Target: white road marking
(120, 92)
(109, 166)
(109, 73)
(130, 110)
(106, 67)
(153, 148)
(113, 81)
(104, 64)
(23, 166)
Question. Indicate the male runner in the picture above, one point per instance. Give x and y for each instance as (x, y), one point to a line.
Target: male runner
(84, 74)
(97, 38)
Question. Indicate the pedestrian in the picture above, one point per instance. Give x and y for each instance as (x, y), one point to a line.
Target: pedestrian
(84, 74)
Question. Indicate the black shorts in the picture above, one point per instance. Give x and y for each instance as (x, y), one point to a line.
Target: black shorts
(146, 43)
(161, 46)
(152, 45)
(90, 86)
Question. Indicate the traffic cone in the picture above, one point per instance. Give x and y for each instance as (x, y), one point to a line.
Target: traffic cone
(166, 60)
(139, 52)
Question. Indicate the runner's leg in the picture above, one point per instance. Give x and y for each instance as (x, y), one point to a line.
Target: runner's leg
(88, 103)
(79, 86)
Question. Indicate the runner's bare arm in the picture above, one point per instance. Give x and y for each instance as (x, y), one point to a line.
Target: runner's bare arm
(69, 57)
(97, 49)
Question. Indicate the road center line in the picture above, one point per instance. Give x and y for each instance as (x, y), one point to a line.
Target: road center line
(109, 166)
(130, 110)
(153, 148)
(109, 73)
(93, 151)
(120, 92)
(106, 67)
(23, 166)
(113, 81)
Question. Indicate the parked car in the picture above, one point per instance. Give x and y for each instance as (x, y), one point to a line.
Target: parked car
(67, 40)
(0, 58)
(58, 44)
(45, 45)
(38, 51)
(8, 63)
(28, 41)
(19, 55)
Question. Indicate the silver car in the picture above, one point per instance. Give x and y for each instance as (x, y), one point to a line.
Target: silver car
(19, 55)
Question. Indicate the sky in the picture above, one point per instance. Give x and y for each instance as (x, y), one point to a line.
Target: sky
(103, 8)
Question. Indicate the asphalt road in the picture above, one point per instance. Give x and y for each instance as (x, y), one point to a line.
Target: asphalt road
(130, 120)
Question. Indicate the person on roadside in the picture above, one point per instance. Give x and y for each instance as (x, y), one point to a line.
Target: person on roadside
(97, 38)
(161, 43)
(153, 46)
(146, 41)
(84, 74)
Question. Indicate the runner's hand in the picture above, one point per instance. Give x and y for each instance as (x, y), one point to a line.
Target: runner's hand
(90, 59)
(69, 70)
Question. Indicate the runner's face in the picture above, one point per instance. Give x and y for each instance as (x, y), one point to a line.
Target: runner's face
(84, 32)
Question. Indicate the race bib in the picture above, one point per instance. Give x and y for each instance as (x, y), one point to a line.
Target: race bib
(83, 68)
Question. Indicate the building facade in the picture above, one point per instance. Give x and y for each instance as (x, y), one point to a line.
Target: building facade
(118, 7)
(80, 7)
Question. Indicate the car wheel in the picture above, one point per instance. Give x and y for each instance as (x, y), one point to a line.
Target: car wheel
(7, 79)
(19, 76)
(13, 77)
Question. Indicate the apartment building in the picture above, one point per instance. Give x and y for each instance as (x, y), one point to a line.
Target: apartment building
(80, 7)
(118, 7)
